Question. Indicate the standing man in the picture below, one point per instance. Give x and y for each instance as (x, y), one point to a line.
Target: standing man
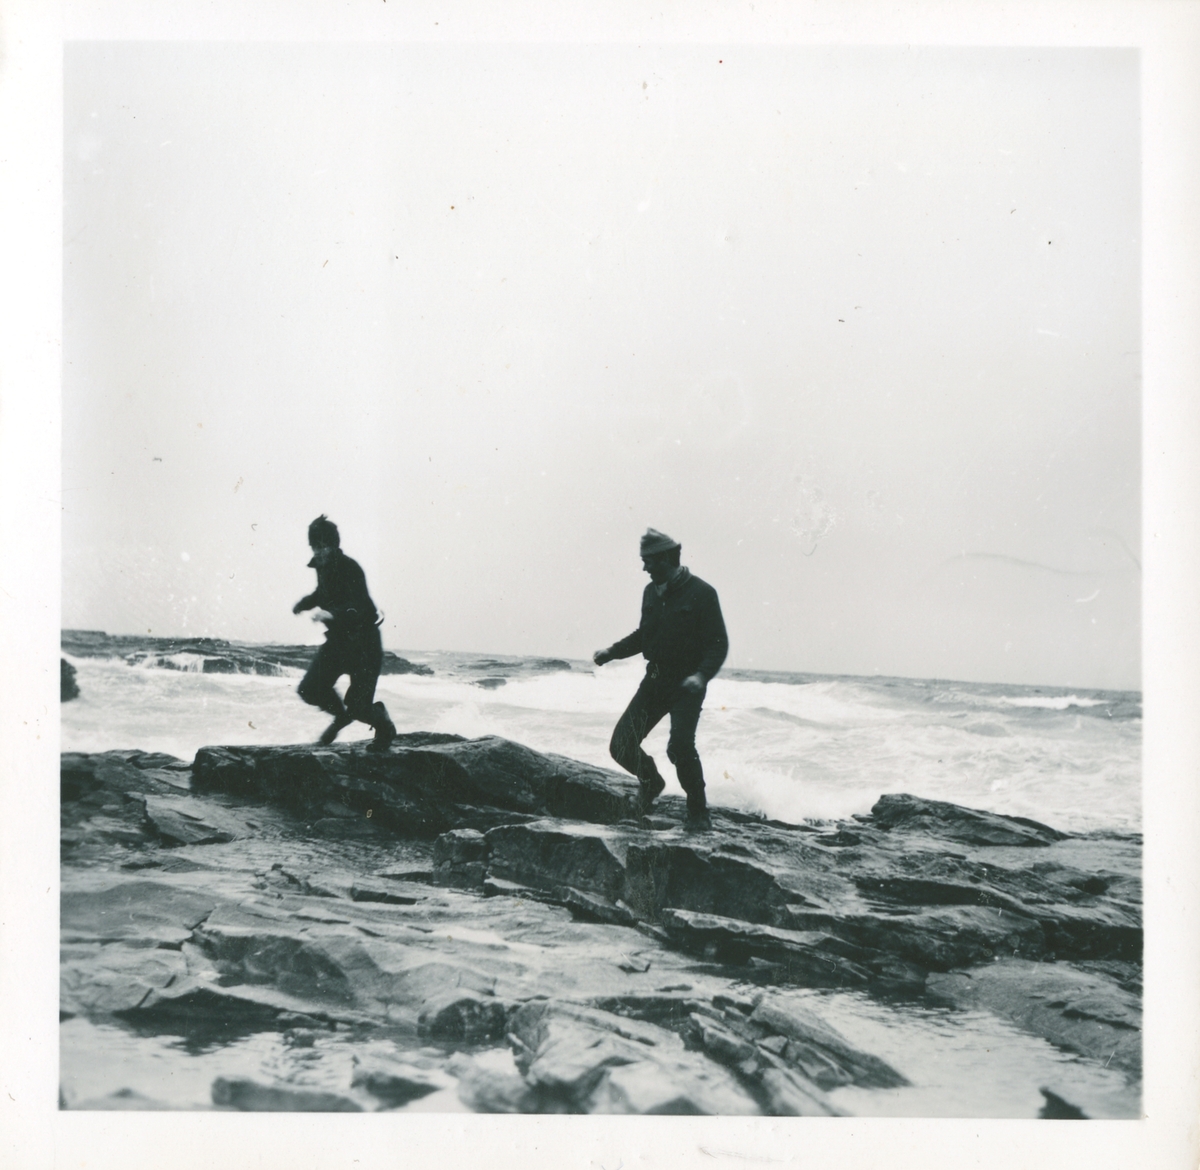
(352, 643)
(682, 637)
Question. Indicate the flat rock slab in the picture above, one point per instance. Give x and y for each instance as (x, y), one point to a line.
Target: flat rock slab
(1076, 1010)
(248, 1095)
(419, 786)
(812, 958)
(185, 820)
(136, 910)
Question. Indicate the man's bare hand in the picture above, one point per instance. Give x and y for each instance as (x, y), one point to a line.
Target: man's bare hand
(601, 657)
(693, 684)
(322, 615)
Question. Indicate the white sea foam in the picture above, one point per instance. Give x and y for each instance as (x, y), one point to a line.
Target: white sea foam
(1051, 702)
(792, 750)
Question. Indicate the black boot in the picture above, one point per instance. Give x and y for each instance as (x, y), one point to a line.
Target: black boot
(691, 780)
(385, 729)
(650, 789)
(697, 819)
(331, 732)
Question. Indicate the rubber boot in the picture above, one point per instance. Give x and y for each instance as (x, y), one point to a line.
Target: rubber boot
(385, 729)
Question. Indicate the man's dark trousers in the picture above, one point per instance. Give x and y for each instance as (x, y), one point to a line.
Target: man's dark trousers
(358, 653)
(655, 698)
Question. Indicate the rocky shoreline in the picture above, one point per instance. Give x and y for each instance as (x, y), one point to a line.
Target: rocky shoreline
(476, 922)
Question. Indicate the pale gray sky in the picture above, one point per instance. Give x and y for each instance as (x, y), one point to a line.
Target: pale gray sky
(859, 327)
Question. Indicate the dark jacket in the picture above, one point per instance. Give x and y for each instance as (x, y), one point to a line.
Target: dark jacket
(342, 590)
(681, 631)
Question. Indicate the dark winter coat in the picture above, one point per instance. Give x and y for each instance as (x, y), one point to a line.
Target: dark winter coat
(342, 590)
(681, 631)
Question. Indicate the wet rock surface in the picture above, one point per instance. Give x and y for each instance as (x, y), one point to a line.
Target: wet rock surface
(68, 687)
(482, 926)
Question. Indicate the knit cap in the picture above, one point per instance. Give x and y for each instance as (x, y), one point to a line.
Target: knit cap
(654, 541)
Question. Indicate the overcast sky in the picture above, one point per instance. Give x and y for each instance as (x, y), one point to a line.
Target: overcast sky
(859, 327)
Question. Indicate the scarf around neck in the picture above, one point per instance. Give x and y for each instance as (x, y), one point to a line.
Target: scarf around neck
(677, 578)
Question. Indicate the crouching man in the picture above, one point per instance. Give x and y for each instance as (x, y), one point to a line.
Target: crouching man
(352, 643)
(682, 637)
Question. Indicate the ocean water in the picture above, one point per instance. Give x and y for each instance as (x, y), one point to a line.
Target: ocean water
(795, 747)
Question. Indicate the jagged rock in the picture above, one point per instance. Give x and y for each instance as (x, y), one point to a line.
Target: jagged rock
(597, 1063)
(1077, 921)
(666, 1010)
(109, 775)
(183, 820)
(392, 893)
(549, 854)
(95, 979)
(459, 859)
(1074, 1009)
(633, 964)
(104, 801)
(244, 1094)
(789, 1095)
(912, 891)
(459, 847)
(936, 940)
(812, 958)
(462, 1016)
(332, 966)
(820, 1051)
(489, 1090)
(394, 664)
(951, 822)
(1095, 932)
(475, 893)
(396, 1083)
(642, 1088)
(498, 887)
(594, 908)
(782, 1034)
(779, 1089)
(68, 687)
(722, 1044)
(1056, 1109)
(191, 1007)
(565, 1050)
(694, 878)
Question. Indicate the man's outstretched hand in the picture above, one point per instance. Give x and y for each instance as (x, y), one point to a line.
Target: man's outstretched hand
(601, 657)
(319, 615)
